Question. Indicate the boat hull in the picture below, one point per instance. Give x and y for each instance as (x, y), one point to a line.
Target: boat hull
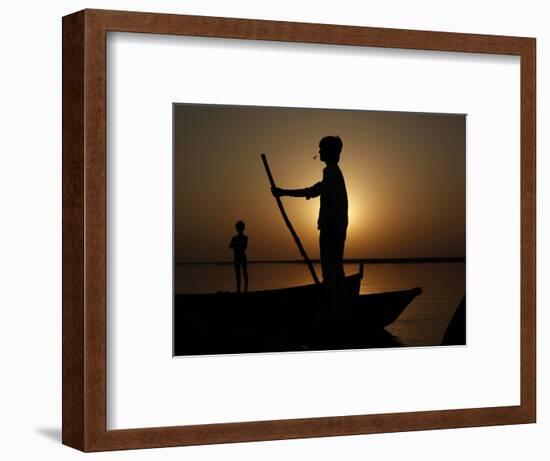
(289, 319)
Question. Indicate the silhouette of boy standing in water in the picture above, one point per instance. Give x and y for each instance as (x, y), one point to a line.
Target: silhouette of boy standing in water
(239, 243)
(332, 222)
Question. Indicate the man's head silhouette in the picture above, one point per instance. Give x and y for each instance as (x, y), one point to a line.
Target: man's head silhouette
(330, 148)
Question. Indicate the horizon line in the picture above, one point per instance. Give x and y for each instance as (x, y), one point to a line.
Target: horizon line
(436, 259)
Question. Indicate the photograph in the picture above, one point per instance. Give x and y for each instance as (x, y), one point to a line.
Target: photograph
(308, 229)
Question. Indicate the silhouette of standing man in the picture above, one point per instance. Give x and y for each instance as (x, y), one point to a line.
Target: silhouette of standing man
(332, 222)
(238, 244)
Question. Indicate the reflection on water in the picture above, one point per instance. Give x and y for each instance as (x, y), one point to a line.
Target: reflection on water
(423, 323)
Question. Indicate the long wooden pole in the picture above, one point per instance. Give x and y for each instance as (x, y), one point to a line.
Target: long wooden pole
(289, 224)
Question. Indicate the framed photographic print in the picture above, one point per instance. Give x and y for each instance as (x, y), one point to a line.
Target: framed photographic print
(270, 230)
(371, 200)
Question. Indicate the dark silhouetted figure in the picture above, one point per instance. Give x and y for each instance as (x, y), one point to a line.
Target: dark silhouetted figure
(239, 243)
(332, 223)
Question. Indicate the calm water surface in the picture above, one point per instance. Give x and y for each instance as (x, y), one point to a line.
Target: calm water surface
(422, 324)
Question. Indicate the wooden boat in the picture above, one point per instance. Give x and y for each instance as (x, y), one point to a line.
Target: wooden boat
(286, 319)
(455, 335)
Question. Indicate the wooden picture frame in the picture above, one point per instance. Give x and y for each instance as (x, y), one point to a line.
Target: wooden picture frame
(85, 221)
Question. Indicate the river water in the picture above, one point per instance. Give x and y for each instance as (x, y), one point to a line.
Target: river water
(423, 323)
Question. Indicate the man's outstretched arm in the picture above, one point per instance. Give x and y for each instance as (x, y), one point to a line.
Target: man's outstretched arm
(308, 192)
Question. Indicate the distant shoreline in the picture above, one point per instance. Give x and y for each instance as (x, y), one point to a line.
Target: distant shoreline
(453, 259)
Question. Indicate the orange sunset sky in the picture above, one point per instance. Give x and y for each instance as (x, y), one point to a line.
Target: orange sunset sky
(405, 175)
